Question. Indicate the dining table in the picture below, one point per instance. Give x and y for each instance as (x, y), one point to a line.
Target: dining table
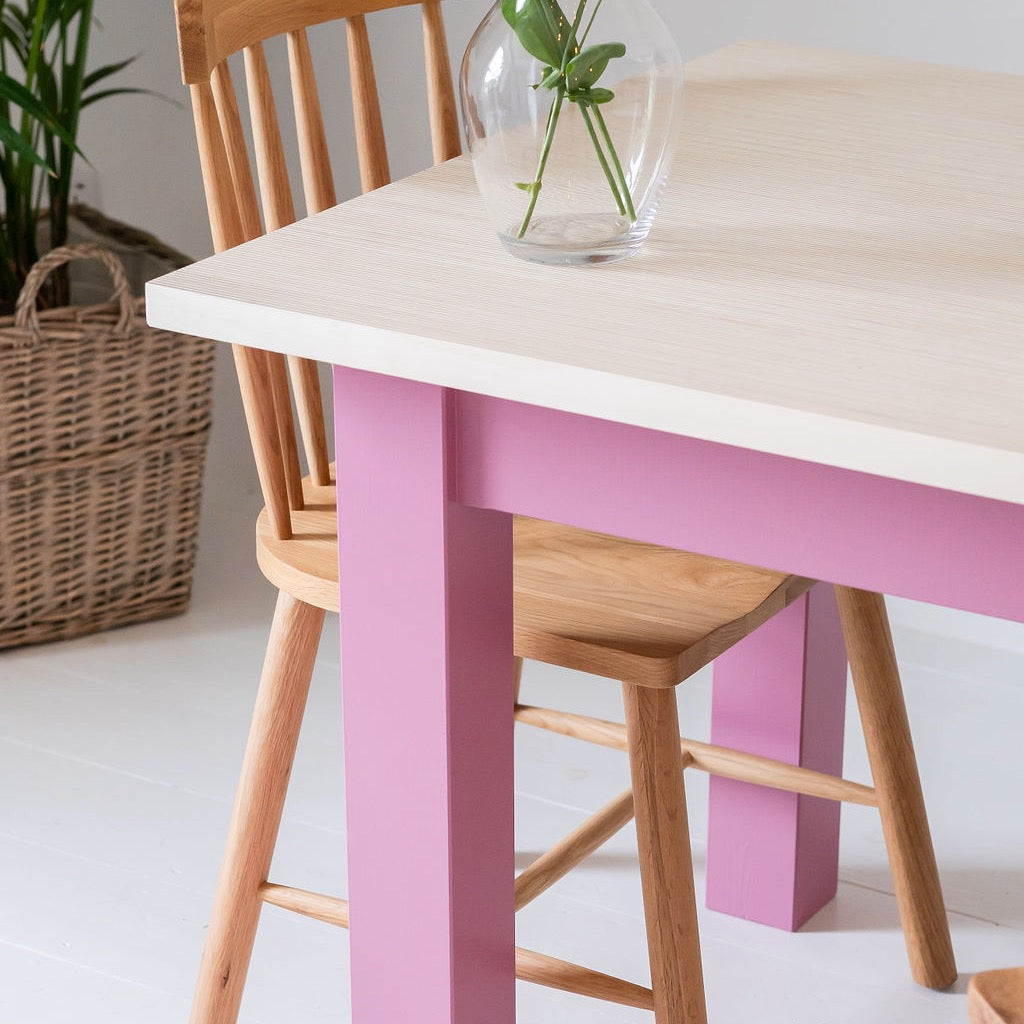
(815, 364)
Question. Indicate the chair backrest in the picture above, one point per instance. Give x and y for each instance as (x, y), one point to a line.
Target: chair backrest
(242, 206)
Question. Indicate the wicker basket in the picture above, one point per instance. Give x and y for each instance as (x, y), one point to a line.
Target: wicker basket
(103, 430)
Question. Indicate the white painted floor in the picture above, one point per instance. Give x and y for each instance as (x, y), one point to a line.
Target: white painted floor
(119, 755)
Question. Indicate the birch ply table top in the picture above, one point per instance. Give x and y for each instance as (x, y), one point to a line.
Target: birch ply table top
(836, 274)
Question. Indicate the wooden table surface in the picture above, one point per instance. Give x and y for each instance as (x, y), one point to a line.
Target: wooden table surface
(836, 274)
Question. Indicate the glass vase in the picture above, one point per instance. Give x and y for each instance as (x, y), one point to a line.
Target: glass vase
(571, 111)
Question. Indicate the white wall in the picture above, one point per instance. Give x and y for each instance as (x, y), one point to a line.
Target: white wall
(146, 170)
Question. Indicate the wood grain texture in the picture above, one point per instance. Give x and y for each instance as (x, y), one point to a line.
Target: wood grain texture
(661, 616)
(209, 33)
(271, 167)
(314, 159)
(309, 410)
(210, 30)
(329, 909)
(286, 452)
(666, 865)
(530, 966)
(242, 184)
(370, 144)
(557, 862)
(270, 750)
(890, 749)
(444, 117)
(222, 207)
(559, 974)
(255, 381)
(706, 757)
(279, 210)
(305, 563)
(627, 610)
(833, 224)
(997, 997)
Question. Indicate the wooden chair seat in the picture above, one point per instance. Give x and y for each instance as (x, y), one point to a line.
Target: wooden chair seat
(306, 564)
(583, 600)
(627, 610)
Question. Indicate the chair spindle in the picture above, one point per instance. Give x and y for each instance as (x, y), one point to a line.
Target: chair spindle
(271, 168)
(370, 145)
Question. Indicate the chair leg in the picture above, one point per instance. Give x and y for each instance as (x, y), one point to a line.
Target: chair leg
(890, 750)
(259, 801)
(666, 864)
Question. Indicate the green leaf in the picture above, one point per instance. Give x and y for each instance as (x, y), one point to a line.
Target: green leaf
(16, 93)
(12, 29)
(13, 142)
(551, 78)
(541, 26)
(591, 97)
(104, 93)
(47, 92)
(586, 67)
(528, 186)
(105, 72)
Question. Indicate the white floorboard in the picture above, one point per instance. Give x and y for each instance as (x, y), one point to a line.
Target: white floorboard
(120, 752)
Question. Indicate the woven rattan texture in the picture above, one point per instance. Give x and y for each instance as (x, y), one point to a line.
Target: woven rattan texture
(103, 430)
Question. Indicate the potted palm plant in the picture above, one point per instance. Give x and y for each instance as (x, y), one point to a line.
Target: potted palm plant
(44, 87)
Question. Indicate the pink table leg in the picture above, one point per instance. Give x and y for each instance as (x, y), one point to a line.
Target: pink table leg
(428, 618)
(819, 521)
(427, 681)
(773, 856)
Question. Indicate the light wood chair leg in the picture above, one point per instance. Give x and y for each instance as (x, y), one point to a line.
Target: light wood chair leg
(666, 865)
(277, 718)
(890, 750)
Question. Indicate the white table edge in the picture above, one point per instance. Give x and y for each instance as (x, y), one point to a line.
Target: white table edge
(830, 440)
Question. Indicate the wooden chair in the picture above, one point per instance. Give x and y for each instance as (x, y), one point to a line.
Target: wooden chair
(644, 615)
(997, 997)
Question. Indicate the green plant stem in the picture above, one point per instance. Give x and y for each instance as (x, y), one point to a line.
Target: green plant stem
(71, 99)
(570, 51)
(612, 184)
(549, 138)
(24, 238)
(590, 24)
(582, 82)
(615, 160)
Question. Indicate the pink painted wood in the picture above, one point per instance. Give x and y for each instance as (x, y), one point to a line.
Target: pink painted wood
(773, 857)
(426, 603)
(833, 524)
(803, 517)
(426, 627)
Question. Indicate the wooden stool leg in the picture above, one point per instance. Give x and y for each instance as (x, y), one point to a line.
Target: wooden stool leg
(890, 749)
(666, 865)
(284, 685)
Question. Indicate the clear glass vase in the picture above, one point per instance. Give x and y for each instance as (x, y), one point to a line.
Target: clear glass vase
(571, 111)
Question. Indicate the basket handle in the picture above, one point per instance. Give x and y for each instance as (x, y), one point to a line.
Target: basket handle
(25, 313)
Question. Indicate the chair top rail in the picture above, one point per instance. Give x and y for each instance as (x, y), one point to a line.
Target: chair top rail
(209, 31)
